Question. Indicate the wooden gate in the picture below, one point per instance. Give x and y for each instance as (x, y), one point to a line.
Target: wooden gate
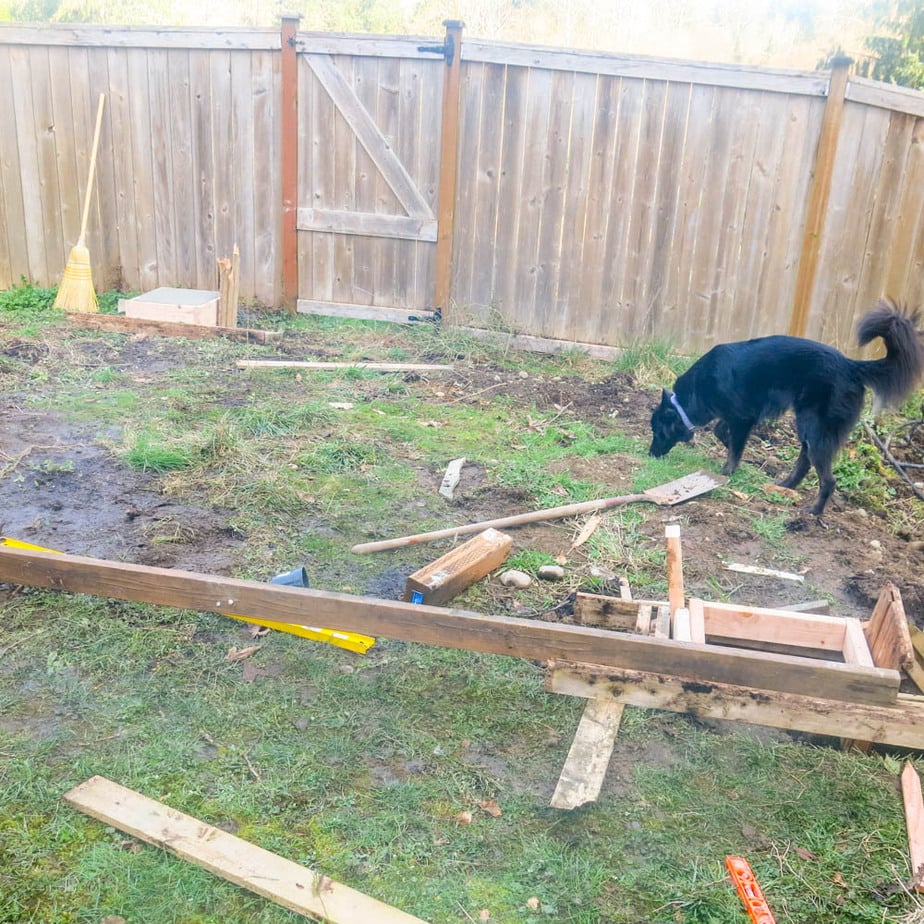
(367, 216)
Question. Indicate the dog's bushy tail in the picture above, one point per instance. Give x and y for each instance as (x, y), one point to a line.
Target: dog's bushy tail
(893, 377)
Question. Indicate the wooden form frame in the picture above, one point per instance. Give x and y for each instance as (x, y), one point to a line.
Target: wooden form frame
(884, 642)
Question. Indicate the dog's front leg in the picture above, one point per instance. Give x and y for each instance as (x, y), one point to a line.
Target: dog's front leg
(734, 435)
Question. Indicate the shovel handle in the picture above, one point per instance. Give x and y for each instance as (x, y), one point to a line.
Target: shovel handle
(551, 513)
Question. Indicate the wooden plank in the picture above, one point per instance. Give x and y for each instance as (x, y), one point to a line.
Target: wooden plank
(818, 198)
(609, 612)
(289, 159)
(733, 621)
(296, 887)
(121, 325)
(15, 246)
(369, 136)
(558, 166)
(811, 83)
(585, 767)
(183, 184)
(245, 173)
(674, 567)
(900, 724)
(888, 631)
(340, 221)
(451, 574)
(265, 91)
(139, 37)
(311, 364)
(160, 124)
(680, 627)
(856, 650)
(361, 312)
(447, 628)
(697, 622)
(914, 822)
(886, 96)
(662, 626)
(140, 177)
(202, 214)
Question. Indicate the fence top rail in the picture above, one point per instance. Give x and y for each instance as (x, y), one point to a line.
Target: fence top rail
(886, 96)
(779, 80)
(140, 37)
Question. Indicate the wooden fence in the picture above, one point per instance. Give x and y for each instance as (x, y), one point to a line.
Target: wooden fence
(593, 198)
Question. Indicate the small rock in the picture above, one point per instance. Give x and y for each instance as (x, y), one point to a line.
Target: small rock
(876, 544)
(514, 578)
(524, 374)
(551, 573)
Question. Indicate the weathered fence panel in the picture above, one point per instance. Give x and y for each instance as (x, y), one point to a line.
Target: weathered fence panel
(599, 198)
(188, 163)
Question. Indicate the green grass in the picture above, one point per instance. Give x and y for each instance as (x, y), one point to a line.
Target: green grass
(363, 767)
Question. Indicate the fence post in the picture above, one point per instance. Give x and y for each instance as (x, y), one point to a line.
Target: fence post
(449, 152)
(289, 159)
(819, 190)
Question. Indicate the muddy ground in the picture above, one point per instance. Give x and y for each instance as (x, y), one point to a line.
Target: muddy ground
(81, 499)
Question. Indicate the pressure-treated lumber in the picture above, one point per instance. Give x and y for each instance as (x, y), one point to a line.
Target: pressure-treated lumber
(450, 628)
(459, 568)
(288, 884)
(121, 325)
(318, 365)
(914, 822)
(900, 724)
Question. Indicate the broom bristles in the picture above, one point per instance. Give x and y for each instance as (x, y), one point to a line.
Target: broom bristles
(76, 292)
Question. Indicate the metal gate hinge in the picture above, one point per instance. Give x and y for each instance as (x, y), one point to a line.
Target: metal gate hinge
(447, 49)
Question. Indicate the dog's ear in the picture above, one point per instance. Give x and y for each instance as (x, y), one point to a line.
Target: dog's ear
(665, 396)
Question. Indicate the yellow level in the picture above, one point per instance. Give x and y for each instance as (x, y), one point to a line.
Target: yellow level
(351, 641)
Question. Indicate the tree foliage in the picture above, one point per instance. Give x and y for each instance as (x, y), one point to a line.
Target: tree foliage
(898, 53)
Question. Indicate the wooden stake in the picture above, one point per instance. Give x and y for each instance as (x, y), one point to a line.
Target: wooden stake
(457, 570)
(914, 821)
(674, 567)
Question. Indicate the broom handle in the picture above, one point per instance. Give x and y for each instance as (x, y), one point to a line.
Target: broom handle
(86, 198)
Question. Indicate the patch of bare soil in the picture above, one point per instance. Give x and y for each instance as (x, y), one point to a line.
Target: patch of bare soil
(61, 487)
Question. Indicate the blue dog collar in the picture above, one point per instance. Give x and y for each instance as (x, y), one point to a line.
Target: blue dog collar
(683, 414)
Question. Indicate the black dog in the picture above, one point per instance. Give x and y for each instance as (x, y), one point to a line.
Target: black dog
(744, 383)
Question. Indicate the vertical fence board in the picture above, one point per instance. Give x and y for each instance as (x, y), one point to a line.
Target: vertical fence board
(568, 292)
(600, 209)
(508, 214)
(267, 187)
(202, 167)
(906, 272)
(15, 261)
(599, 197)
(184, 188)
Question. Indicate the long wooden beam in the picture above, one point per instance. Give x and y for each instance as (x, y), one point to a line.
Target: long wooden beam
(448, 628)
(900, 724)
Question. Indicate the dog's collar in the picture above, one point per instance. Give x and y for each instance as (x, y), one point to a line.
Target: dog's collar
(683, 414)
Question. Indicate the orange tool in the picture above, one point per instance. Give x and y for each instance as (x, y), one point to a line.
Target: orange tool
(749, 891)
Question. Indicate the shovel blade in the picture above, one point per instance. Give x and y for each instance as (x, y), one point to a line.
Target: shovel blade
(676, 492)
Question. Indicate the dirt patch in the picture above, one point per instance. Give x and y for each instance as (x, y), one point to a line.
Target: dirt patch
(62, 486)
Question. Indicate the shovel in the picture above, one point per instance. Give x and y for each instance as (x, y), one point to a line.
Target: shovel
(665, 495)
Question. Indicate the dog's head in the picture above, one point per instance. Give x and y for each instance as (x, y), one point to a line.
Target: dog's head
(668, 426)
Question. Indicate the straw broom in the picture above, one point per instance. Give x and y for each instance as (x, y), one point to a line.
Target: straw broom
(76, 292)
